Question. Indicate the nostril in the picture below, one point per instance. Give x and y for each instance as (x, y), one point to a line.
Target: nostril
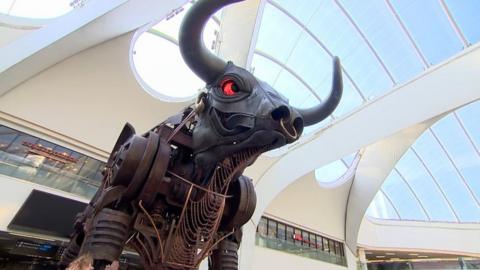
(282, 112)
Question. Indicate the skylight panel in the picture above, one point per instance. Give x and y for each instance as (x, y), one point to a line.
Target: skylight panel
(158, 64)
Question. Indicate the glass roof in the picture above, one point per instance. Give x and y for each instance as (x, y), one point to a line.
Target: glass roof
(438, 178)
(156, 54)
(381, 44)
(36, 9)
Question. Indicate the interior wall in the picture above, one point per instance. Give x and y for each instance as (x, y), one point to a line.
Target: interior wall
(14, 192)
(307, 204)
(89, 97)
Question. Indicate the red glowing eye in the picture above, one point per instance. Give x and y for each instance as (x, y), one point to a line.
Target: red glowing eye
(229, 87)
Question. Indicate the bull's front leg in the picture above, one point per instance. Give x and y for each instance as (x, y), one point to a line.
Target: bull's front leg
(76, 239)
(106, 235)
(225, 256)
(106, 222)
(100, 230)
(239, 209)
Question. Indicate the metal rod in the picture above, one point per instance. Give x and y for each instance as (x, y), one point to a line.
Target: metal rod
(406, 32)
(391, 203)
(294, 74)
(436, 183)
(153, 225)
(455, 167)
(315, 38)
(414, 194)
(454, 25)
(466, 133)
(367, 42)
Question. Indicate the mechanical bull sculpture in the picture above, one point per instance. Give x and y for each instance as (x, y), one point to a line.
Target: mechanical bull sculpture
(176, 194)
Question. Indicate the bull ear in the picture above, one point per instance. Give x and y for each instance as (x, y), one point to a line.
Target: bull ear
(206, 65)
(316, 114)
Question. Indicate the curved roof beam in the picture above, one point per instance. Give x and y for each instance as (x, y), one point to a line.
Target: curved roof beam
(378, 160)
(289, 70)
(453, 83)
(94, 23)
(454, 25)
(450, 206)
(347, 175)
(470, 191)
(427, 65)
(466, 133)
(312, 35)
(391, 203)
(160, 34)
(367, 42)
(407, 33)
(412, 190)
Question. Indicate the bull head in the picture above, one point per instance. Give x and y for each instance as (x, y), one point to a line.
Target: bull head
(240, 111)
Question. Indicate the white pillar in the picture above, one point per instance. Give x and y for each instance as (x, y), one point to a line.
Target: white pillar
(247, 247)
(362, 259)
(238, 31)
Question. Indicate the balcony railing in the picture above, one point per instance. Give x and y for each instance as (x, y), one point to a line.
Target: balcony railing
(304, 251)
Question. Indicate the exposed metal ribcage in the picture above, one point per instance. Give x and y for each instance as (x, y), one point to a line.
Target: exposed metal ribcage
(196, 231)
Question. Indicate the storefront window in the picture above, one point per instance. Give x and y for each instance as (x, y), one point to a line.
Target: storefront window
(39, 161)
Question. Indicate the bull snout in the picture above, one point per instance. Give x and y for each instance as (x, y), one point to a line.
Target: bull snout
(289, 121)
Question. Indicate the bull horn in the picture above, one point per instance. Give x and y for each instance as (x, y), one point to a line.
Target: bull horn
(316, 114)
(206, 65)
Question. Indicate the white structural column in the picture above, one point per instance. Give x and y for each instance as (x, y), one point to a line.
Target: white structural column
(376, 163)
(94, 23)
(236, 42)
(362, 259)
(238, 31)
(247, 247)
